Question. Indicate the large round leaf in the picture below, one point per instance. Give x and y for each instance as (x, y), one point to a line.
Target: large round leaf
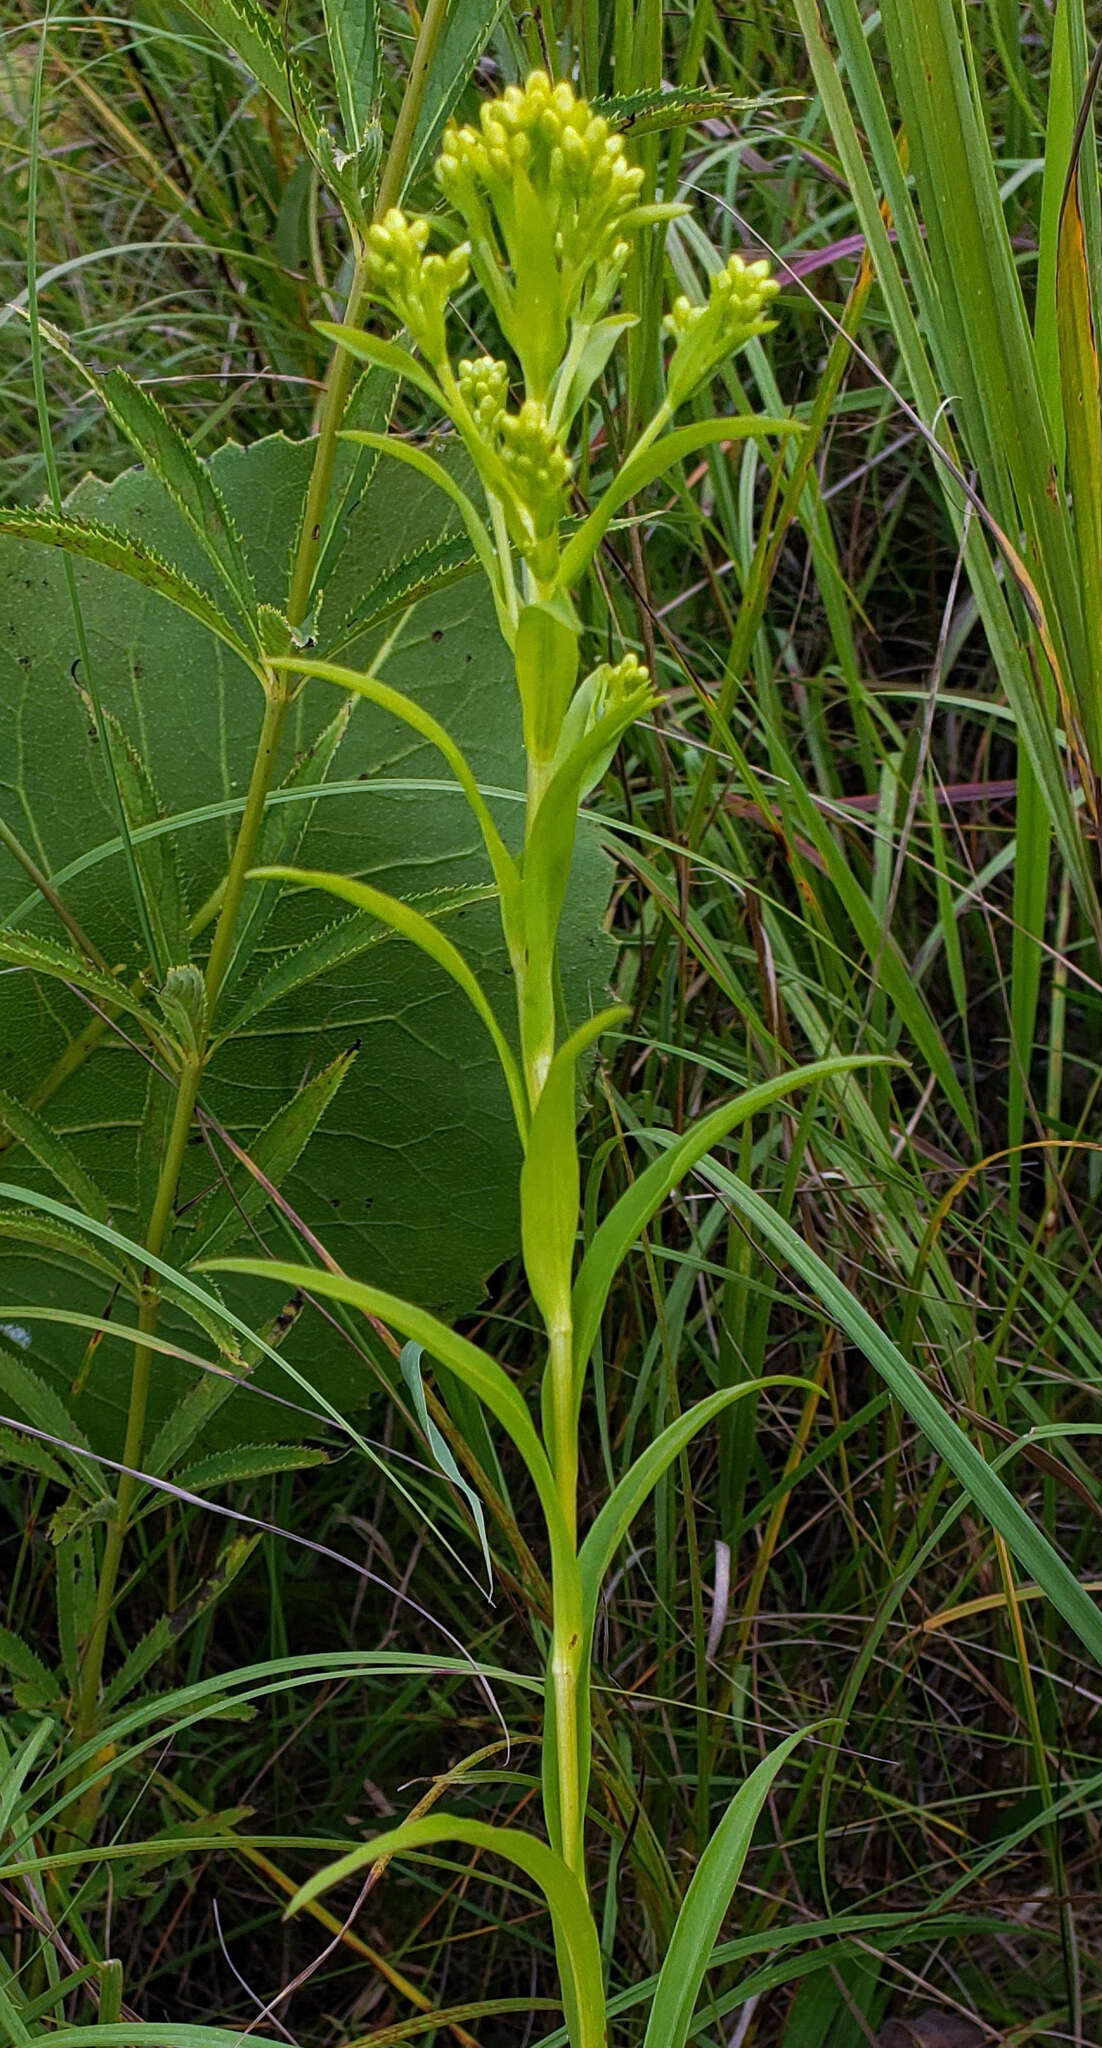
(410, 1178)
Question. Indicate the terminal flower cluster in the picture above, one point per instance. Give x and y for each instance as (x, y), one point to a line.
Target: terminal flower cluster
(545, 203)
(549, 200)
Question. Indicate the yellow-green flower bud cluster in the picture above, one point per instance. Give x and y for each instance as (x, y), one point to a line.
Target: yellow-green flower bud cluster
(520, 455)
(414, 284)
(548, 197)
(705, 335)
(537, 465)
(484, 385)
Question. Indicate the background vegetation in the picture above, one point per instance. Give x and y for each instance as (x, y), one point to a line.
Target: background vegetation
(865, 820)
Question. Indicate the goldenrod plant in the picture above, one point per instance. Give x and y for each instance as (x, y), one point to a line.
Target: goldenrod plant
(235, 669)
(542, 209)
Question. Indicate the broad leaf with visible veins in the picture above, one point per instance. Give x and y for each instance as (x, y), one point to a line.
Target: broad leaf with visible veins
(410, 1174)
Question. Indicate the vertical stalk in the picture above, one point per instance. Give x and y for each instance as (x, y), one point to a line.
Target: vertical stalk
(277, 698)
(86, 1702)
(535, 989)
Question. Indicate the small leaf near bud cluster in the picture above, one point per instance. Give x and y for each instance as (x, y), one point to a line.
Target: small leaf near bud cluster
(616, 692)
(705, 335)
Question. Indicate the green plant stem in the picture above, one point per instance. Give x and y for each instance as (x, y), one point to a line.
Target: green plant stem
(342, 364)
(567, 1647)
(49, 895)
(337, 387)
(160, 1220)
(535, 989)
(87, 1700)
(248, 832)
(405, 127)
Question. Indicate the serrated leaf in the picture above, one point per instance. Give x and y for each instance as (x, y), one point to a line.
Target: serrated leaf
(660, 107)
(249, 1461)
(337, 945)
(352, 33)
(253, 35)
(30, 1456)
(434, 566)
(52, 1152)
(166, 452)
(42, 1406)
(170, 1627)
(36, 1685)
(76, 1597)
(62, 963)
(24, 1226)
(273, 1152)
(128, 557)
(156, 858)
(186, 1422)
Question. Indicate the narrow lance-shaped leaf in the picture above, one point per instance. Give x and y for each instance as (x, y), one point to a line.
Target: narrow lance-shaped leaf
(52, 1152)
(705, 1903)
(158, 858)
(337, 944)
(282, 833)
(382, 355)
(410, 1362)
(621, 1228)
(111, 550)
(426, 466)
(270, 1157)
(576, 1942)
(44, 1408)
(414, 715)
(473, 1366)
(550, 845)
(410, 924)
(641, 470)
(611, 1525)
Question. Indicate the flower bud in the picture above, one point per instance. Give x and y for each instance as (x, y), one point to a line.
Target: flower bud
(484, 384)
(415, 285)
(707, 334)
(538, 468)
